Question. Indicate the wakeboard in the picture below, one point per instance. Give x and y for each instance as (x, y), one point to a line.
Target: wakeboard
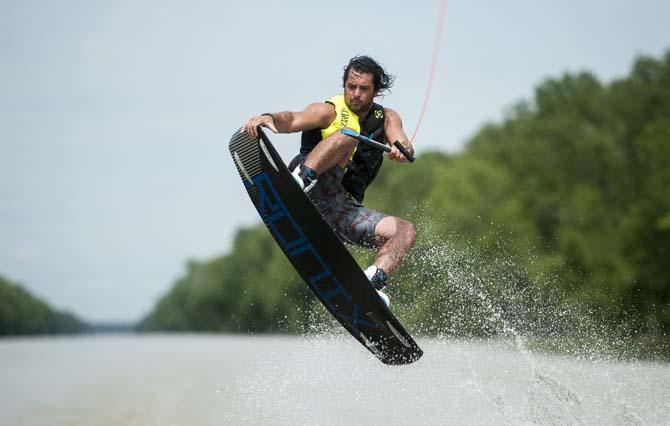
(317, 254)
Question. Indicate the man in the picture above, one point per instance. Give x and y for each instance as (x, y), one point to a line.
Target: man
(334, 170)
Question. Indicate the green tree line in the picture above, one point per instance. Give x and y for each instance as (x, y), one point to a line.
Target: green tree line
(23, 313)
(552, 221)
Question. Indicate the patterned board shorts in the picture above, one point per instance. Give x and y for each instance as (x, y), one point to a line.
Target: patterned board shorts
(353, 223)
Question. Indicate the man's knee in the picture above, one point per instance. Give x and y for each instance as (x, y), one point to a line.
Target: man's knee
(395, 228)
(344, 144)
(341, 139)
(337, 147)
(408, 231)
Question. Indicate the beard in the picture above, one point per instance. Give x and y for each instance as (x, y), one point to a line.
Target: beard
(359, 107)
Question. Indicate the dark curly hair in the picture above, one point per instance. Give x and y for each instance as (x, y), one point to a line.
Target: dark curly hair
(383, 81)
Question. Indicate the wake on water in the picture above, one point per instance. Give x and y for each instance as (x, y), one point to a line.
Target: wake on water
(487, 335)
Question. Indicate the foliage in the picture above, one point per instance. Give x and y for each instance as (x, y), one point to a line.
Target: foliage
(554, 221)
(252, 289)
(23, 313)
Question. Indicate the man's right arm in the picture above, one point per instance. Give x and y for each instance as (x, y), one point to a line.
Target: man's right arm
(316, 115)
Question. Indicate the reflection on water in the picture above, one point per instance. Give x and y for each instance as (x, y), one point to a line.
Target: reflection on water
(223, 379)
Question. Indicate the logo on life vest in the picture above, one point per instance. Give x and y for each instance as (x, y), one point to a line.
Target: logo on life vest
(345, 117)
(379, 113)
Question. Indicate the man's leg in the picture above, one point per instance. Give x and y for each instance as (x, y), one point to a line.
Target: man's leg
(396, 237)
(333, 150)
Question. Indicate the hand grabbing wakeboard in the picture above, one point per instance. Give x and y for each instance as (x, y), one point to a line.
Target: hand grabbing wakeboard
(310, 244)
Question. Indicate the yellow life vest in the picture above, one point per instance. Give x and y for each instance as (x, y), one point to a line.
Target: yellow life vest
(344, 117)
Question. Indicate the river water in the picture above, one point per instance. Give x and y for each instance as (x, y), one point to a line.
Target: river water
(176, 379)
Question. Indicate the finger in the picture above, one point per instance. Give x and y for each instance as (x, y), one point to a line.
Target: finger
(399, 157)
(248, 128)
(272, 127)
(252, 129)
(394, 154)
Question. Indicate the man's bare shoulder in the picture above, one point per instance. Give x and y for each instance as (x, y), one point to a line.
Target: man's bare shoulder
(320, 108)
(391, 114)
(321, 112)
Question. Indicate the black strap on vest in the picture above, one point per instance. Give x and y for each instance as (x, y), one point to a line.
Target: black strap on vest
(367, 160)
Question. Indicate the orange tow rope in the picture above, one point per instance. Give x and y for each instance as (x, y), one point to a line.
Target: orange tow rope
(436, 48)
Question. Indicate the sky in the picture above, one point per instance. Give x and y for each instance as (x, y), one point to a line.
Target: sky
(115, 116)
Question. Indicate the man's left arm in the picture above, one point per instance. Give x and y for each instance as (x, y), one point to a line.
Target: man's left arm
(394, 132)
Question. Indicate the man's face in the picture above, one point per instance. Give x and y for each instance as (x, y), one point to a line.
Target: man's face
(359, 91)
